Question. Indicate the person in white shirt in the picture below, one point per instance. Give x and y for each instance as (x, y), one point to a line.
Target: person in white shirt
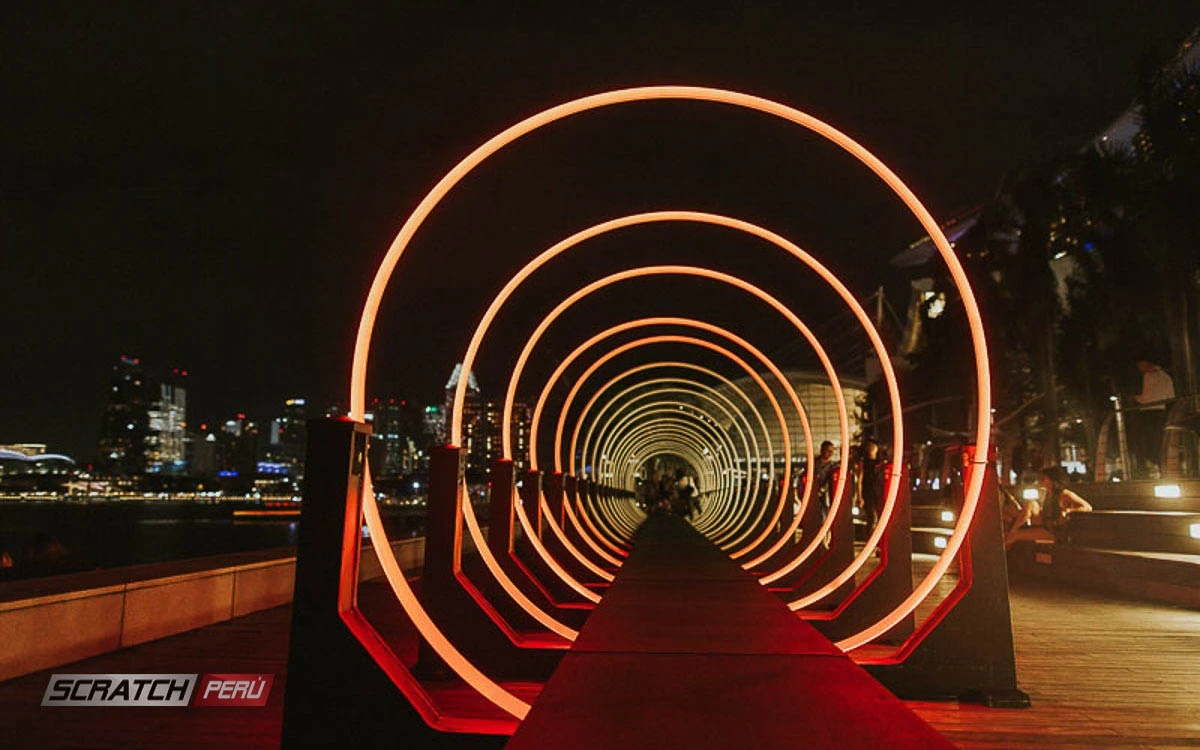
(1157, 389)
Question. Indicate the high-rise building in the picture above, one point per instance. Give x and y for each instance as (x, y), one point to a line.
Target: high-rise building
(121, 450)
(522, 420)
(202, 455)
(433, 421)
(489, 441)
(396, 431)
(237, 453)
(475, 430)
(166, 431)
(287, 440)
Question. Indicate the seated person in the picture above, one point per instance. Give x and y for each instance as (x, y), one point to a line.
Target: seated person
(1042, 520)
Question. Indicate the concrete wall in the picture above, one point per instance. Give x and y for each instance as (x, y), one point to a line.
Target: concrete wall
(41, 632)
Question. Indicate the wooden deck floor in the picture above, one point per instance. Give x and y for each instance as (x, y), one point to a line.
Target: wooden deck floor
(1102, 673)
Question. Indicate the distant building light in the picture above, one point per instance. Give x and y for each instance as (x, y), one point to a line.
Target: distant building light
(1167, 490)
(947, 516)
(939, 542)
(1060, 255)
(1194, 531)
(1030, 493)
(227, 473)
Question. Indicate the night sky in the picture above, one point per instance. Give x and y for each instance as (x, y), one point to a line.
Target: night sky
(211, 187)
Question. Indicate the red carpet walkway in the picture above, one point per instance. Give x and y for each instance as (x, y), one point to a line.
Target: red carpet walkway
(687, 651)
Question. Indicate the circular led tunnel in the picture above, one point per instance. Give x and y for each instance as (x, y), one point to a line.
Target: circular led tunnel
(677, 437)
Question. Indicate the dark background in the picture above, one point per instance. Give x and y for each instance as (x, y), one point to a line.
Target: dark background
(211, 187)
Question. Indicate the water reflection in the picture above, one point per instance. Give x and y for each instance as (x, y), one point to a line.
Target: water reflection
(49, 538)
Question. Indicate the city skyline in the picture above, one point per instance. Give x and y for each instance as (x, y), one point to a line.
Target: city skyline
(145, 430)
(276, 195)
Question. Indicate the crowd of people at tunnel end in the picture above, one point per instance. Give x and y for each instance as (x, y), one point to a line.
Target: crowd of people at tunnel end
(667, 493)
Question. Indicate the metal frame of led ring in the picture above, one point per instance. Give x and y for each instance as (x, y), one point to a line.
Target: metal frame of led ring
(428, 629)
(689, 323)
(699, 393)
(737, 416)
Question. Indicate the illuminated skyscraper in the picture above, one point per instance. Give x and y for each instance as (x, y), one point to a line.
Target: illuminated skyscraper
(166, 433)
(237, 454)
(396, 431)
(522, 419)
(123, 428)
(288, 438)
(433, 421)
(475, 430)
